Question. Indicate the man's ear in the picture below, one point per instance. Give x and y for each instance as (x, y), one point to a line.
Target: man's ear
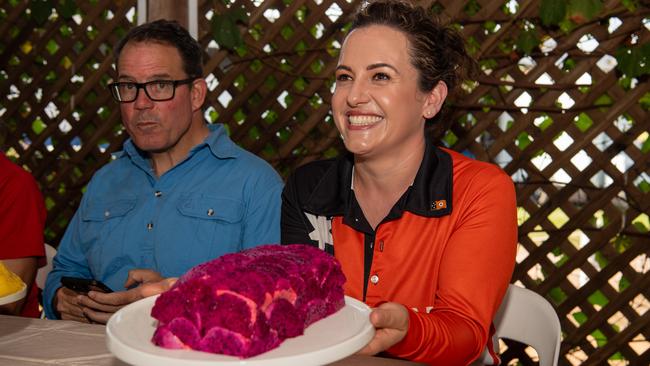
(434, 100)
(198, 93)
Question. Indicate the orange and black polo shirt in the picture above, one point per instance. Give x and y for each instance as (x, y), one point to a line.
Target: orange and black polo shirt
(446, 250)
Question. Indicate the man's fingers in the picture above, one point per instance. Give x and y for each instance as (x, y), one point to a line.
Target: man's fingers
(140, 275)
(88, 302)
(118, 299)
(97, 316)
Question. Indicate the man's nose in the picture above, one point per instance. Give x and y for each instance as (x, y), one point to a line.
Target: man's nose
(142, 100)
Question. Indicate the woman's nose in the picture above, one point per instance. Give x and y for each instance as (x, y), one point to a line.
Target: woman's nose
(358, 93)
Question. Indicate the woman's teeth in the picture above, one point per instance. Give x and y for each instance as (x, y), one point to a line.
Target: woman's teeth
(363, 120)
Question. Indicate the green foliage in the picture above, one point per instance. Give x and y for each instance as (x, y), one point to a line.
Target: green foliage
(472, 8)
(224, 28)
(598, 298)
(527, 41)
(552, 12)
(67, 8)
(634, 61)
(601, 260)
(557, 295)
(622, 243)
(523, 140)
(580, 317)
(40, 10)
(601, 339)
(581, 11)
(645, 101)
(583, 122)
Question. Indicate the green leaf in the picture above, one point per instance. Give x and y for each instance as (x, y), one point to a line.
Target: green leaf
(581, 11)
(527, 41)
(41, 10)
(552, 12)
(622, 243)
(601, 339)
(523, 140)
(618, 356)
(644, 187)
(557, 295)
(67, 8)
(583, 122)
(601, 260)
(225, 31)
(645, 101)
(598, 298)
(38, 126)
(623, 283)
(580, 317)
(631, 5)
(634, 61)
(472, 8)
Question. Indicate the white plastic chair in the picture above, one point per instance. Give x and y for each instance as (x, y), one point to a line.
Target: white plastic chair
(525, 316)
(41, 273)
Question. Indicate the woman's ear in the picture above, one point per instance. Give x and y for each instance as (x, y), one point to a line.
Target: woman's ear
(434, 100)
(198, 93)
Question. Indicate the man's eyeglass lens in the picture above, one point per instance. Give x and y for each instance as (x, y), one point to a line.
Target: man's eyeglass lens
(156, 90)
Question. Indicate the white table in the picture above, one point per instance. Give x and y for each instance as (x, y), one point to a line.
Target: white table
(37, 342)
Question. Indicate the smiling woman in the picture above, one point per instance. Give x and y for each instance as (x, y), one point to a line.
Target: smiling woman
(416, 227)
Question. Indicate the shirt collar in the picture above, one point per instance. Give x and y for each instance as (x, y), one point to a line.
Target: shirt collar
(217, 141)
(429, 196)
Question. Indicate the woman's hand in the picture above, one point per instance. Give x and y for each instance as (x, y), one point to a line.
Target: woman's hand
(391, 321)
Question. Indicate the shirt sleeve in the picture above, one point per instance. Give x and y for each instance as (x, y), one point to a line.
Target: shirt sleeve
(475, 271)
(70, 260)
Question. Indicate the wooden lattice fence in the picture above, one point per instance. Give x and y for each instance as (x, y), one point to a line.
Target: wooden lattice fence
(570, 129)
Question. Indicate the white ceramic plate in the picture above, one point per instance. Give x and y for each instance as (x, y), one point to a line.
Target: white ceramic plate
(129, 332)
(14, 297)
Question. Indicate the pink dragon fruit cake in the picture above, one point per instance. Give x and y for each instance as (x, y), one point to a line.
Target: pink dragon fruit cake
(247, 303)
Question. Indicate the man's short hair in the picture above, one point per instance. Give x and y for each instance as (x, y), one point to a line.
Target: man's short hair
(167, 32)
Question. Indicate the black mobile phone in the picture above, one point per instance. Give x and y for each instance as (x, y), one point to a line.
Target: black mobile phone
(83, 285)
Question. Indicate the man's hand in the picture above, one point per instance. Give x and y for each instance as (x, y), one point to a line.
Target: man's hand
(67, 303)
(98, 306)
(391, 321)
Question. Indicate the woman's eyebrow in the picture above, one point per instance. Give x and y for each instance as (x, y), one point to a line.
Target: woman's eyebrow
(381, 64)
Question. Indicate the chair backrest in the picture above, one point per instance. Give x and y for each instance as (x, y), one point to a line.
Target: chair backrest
(525, 316)
(41, 274)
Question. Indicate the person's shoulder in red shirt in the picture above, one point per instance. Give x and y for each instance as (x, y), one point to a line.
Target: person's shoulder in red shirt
(22, 222)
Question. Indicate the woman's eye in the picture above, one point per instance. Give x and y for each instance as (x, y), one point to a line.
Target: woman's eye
(343, 77)
(381, 76)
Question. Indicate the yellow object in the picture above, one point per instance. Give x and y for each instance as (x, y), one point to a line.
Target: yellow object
(10, 283)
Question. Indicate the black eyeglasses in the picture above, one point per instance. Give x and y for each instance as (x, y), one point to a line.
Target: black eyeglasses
(156, 90)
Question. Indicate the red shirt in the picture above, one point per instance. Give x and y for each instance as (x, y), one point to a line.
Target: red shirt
(22, 221)
(446, 250)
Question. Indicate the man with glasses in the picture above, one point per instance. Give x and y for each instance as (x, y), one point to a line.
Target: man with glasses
(179, 194)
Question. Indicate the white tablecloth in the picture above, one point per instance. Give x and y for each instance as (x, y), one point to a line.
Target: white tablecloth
(37, 342)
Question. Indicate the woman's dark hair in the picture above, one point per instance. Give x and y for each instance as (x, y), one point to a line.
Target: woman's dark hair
(170, 33)
(437, 52)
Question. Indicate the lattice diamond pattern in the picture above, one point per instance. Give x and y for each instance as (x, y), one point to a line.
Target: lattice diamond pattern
(572, 133)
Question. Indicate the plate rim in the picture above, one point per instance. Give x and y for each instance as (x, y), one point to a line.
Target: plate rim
(125, 352)
(8, 299)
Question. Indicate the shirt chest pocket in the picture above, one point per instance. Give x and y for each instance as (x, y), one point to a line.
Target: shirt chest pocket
(102, 221)
(215, 222)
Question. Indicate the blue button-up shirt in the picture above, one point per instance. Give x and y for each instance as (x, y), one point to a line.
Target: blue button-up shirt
(220, 199)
